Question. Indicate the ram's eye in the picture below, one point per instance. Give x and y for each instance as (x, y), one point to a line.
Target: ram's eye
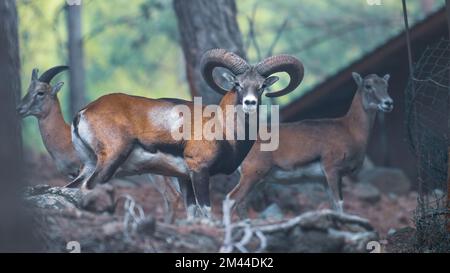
(368, 86)
(40, 94)
(238, 87)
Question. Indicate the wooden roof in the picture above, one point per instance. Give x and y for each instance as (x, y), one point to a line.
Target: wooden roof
(394, 50)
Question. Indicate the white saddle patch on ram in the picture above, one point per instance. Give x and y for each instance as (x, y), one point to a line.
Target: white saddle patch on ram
(158, 161)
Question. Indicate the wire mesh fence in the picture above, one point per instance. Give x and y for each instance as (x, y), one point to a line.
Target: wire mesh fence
(427, 123)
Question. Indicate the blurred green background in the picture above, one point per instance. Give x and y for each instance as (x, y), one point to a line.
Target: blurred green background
(132, 45)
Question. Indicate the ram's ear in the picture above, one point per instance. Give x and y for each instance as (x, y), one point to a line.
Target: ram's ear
(230, 78)
(270, 81)
(358, 79)
(56, 88)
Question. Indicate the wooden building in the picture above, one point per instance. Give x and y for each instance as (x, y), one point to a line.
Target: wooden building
(332, 98)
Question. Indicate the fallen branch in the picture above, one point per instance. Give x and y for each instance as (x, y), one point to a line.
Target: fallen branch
(309, 220)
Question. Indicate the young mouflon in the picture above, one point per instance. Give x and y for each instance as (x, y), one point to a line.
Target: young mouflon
(339, 144)
(41, 101)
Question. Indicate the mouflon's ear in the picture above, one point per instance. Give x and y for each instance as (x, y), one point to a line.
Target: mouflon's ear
(229, 78)
(57, 87)
(358, 79)
(34, 74)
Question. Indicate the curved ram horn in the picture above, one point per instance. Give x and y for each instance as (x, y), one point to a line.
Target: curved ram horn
(48, 75)
(221, 58)
(282, 63)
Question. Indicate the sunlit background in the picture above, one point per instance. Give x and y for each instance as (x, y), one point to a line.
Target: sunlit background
(132, 46)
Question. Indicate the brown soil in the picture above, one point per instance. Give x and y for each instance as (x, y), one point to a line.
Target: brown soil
(389, 212)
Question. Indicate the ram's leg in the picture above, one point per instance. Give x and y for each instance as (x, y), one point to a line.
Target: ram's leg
(85, 153)
(108, 161)
(189, 198)
(86, 171)
(173, 187)
(200, 183)
(161, 184)
(173, 198)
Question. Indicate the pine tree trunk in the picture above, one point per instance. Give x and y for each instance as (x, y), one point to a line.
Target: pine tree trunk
(14, 232)
(447, 6)
(203, 25)
(76, 58)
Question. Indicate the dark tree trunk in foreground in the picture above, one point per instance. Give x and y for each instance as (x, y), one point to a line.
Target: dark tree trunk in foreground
(14, 235)
(76, 58)
(203, 25)
(447, 6)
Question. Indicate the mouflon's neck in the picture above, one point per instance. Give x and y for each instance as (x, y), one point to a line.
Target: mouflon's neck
(242, 142)
(55, 133)
(358, 119)
(241, 120)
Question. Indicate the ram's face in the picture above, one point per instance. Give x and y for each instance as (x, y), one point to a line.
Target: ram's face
(249, 87)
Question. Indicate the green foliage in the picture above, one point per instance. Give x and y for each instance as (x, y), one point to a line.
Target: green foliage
(129, 47)
(132, 46)
(326, 35)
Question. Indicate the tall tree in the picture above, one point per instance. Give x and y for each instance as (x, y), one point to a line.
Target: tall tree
(76, 58)
(203, 25)
(13, 231)
(447, 8)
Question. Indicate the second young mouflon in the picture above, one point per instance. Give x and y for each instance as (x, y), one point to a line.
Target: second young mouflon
(42, 102)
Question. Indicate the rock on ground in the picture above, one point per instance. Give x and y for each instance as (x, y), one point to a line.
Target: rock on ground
(47, 197)
(367, 192)
(387, 180)
(63, 220)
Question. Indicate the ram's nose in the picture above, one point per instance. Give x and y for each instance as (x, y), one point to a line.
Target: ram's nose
(250, 102)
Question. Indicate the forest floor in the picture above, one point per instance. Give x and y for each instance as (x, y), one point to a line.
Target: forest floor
(387, 214)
